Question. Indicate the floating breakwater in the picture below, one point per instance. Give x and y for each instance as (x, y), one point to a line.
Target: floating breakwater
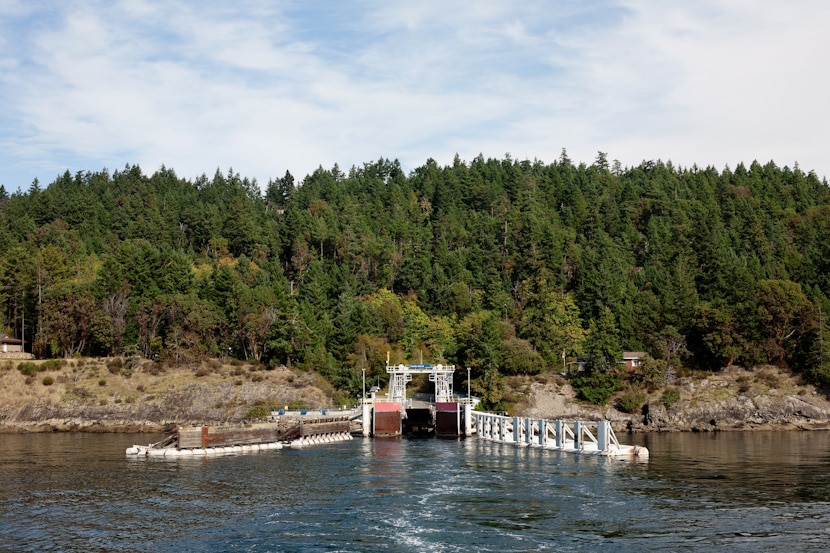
(583, 437)
(153, 451)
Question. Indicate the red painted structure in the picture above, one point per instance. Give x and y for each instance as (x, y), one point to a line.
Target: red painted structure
(386, 420)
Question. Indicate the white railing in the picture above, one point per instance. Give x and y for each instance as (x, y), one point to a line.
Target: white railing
(591, 437)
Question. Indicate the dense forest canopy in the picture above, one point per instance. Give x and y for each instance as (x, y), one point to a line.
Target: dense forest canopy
(503, 266)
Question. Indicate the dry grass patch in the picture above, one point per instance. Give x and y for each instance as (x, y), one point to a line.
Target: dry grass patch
(197, 389)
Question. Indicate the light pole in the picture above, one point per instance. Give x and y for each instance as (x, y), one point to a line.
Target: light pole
(363, 370)
(469, 400)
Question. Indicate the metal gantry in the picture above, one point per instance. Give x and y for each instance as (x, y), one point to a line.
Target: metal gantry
(400, 375)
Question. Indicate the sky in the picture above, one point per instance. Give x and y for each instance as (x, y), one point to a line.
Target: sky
(265, 87)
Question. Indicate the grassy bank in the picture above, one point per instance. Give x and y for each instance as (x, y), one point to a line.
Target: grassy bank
(129, 393)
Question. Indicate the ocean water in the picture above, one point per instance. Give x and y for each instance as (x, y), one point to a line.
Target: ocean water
(698, 492)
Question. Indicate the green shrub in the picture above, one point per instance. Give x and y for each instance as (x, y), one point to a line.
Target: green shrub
(670, 397)
(631, 400)
(53, 365)
(596, 387)
(27, 369)
(258, 412)
(819, 375)
(652, 373)
(48, 380)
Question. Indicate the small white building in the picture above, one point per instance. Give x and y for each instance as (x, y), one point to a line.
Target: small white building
(10, 345)
(633, 359)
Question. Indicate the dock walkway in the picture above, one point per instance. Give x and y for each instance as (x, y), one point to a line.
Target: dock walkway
(583, 437)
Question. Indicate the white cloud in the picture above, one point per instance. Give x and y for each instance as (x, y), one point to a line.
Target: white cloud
(731, 80)
(264, 87)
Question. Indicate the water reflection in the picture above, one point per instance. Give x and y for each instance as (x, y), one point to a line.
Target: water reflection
(741, 468)
(698, 492)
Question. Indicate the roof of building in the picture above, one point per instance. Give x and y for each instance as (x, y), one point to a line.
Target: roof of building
(6, 339)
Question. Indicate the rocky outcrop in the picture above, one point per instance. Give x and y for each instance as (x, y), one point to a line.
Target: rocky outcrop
(732, 399)
(738, 413)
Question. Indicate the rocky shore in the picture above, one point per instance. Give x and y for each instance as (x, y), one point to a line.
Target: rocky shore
(766, 398)
(127, 395)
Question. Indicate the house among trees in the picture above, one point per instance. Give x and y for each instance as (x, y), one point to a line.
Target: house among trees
(632, 359)
(10, 345)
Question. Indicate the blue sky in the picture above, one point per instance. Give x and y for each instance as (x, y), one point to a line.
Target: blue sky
(265, 87)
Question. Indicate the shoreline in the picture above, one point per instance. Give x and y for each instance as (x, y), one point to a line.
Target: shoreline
(48, 428)
(125, 396)
(620, 426)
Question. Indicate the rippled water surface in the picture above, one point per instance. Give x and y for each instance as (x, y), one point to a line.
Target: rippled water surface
(699, 492)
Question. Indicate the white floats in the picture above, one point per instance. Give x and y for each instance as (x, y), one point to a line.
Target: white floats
(320, 439)
(589, 438)
(171, 452)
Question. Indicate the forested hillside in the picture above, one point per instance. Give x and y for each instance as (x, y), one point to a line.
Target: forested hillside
(503, 266)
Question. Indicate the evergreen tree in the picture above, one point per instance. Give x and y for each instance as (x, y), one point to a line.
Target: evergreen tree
(602, 345)
(495, 263)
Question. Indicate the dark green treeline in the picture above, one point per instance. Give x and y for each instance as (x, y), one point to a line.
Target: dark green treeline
(503, 266)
